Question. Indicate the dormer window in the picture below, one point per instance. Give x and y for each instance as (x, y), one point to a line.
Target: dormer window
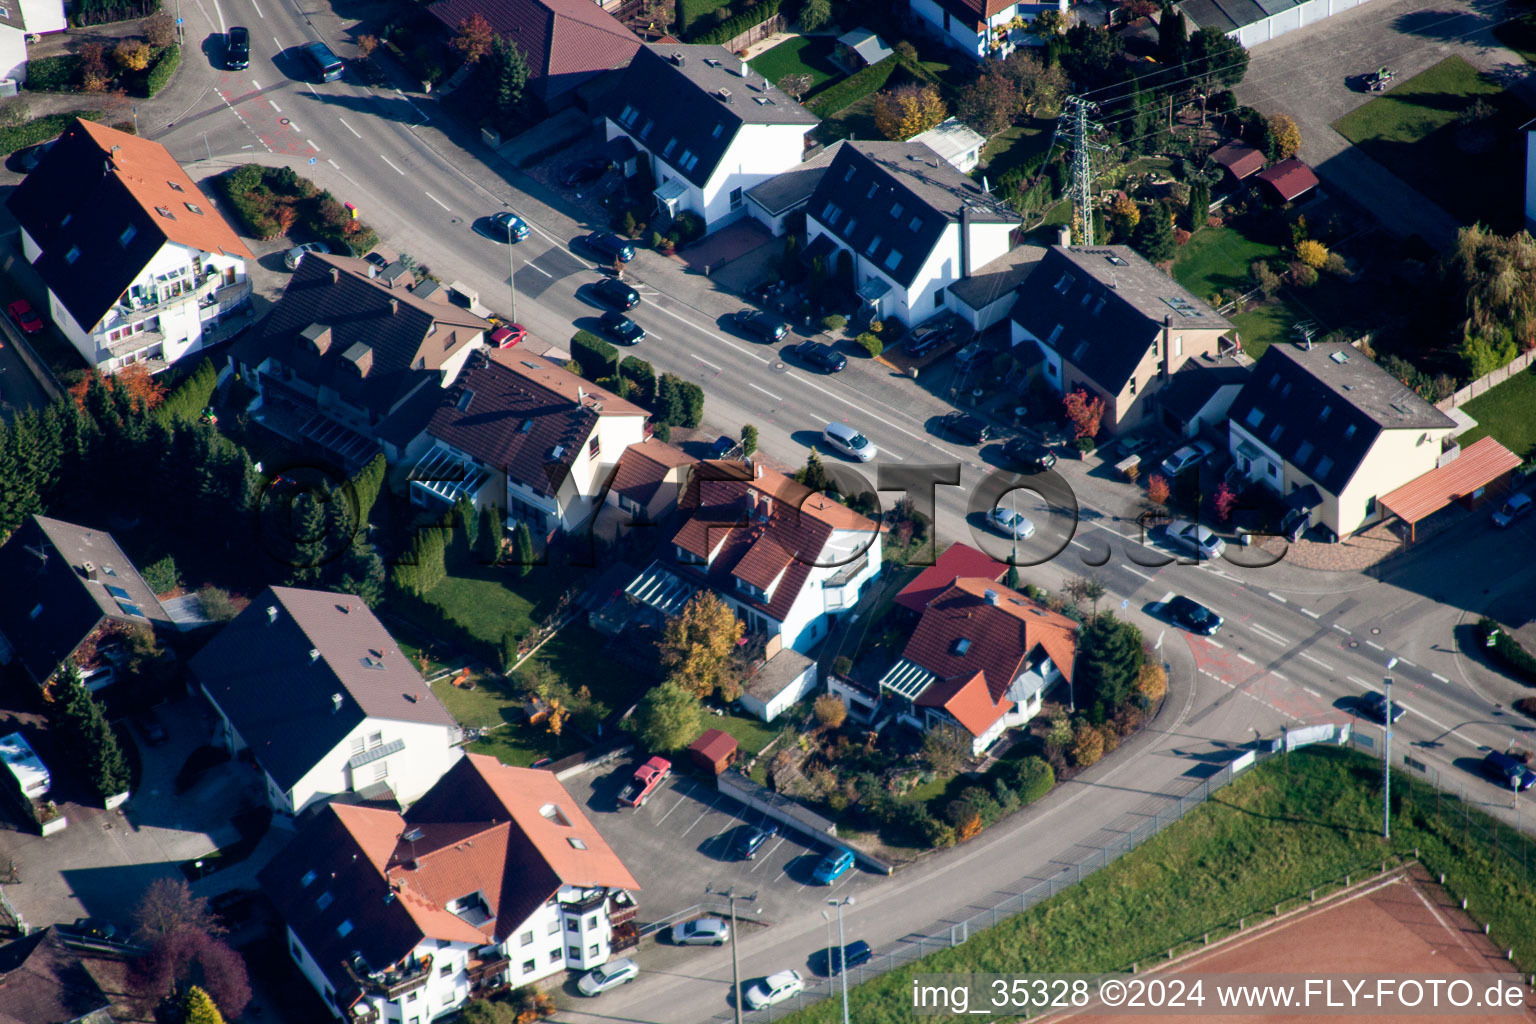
(308, 879)
(848, 175)
(127, 236)
(176, 186)
(345, 928)
(873, 188)
(1064, 285)
(194, 208)
(1349, 432)
(73, 255)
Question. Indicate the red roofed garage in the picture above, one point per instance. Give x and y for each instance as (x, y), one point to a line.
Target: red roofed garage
(1464, 479)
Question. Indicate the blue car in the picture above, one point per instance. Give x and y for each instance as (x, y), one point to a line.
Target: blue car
(833, 866)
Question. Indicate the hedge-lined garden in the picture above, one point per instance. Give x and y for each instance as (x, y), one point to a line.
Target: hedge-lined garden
(139, 65)
(676, 402)
(41, 129)
(855, 87)
(1506, 650)
(694, 20)
(272, 201)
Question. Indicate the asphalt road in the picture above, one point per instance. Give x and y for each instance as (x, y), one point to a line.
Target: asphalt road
(1297, 646)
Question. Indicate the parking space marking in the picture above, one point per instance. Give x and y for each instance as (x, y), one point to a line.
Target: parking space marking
(680, 798)
(704, 814)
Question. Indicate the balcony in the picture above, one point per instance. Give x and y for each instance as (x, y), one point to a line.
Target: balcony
(488, 974)
(848, 573)
(222, 299)
(393, 982)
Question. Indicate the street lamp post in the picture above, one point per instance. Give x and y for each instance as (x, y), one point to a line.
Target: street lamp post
(511, 279)
(1386, 762)
(842, 946)
(730, 895)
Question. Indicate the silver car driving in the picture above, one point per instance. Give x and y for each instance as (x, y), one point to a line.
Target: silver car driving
(843, 438)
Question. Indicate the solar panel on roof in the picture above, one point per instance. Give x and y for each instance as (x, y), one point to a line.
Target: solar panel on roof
(118, 592)
(129, 608)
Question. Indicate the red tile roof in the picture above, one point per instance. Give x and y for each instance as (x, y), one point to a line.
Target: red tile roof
(644, 467)
(969, 700)
(1239, 159)
(1478, 465)
(1289, 178)
(956, 561)
(564, 41)
(714, 745)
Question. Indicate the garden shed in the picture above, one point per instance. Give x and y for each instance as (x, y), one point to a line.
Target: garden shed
(714, 751)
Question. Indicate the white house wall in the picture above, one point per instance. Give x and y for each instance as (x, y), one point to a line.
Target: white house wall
(13, 53)
(951, 29)
(429, 752)
(43, 16)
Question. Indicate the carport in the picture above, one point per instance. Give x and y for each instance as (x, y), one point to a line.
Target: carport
(1465, 478)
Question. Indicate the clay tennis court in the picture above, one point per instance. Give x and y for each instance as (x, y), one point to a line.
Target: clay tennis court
(1403, 925)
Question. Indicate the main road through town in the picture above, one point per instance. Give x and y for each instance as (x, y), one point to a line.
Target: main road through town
(1297, 646)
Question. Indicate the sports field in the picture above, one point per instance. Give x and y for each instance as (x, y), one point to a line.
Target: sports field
(1403, 925)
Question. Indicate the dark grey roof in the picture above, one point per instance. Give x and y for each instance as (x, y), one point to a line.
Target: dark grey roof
(1231, 15)
(777, 673)
(1101, 309)
(1196, 383)
(1321, 410)
(686, 103)
(783, 192)
(275, 670)
(891, 201)
(987, 284)
(47, 604)
(42, 981)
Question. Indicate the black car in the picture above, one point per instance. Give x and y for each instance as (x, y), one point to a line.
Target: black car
(749, 840)
(377, 259)
(1027, 455)
(764, 326)
(1375, 705)
(611, 245)
(613, 292)
(851, 955)
(926, 340)
(1507, 771)
(585, 172)
(96, 928)
(722, 447)
(622, 329)
(965, 427)
(823, 357)
(237, 48)
(1192, 615)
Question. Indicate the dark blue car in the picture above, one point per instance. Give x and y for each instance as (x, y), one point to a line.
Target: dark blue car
(749, 840)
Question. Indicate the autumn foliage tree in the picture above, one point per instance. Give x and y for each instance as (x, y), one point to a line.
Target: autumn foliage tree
(830, 710)
(131, 54)
(698, 643)
(1284, 137)
(474, 38)
(185, 950)
(1225, 500)
(142, 390)
(1157, 489)
(907, 110)
(1084, 412)
(989, 103)
(1087, 745)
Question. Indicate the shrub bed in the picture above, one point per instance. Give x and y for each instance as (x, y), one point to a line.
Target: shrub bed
(1507, 650)
(271, 201)
(54, 74)
(733, 27)
(854, 88)
(41, 129)
(162, 69)
(595, 356)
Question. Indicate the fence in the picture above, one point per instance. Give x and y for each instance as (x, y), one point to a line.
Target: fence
(1487, 381)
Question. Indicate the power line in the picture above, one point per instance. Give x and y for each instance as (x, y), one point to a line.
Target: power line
(1074, 118)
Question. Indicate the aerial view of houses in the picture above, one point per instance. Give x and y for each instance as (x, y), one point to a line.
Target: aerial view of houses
(686, 510)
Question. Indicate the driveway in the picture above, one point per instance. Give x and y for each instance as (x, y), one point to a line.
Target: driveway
(1304, 74)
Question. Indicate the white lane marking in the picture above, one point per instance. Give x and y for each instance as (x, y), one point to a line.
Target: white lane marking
(1440, 677)
(765, 391)
(333, 163)
(1137, 573)
(1224, 574)
(312, 145)
(293, 124)
(538, 270)
(348, 127)
(254, 4)
(391, 164)
(436, 200)
(1319, 662)
(276, 43)
(1341, 629)
(1312, 691)
(256, 85)
(1370, 643)
(220, 12)
(1247, 659)
(1277, 597)
(706, 362)
(1308, 612)
(1405, 661)
(1268, 634)
(1357, 680)
(1280, 677)
(413, 106)
(274, 105)
(1078, 544)
(311, 89)
(1215, 643)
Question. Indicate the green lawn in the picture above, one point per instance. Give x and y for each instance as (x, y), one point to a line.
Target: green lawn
(1508, 412)
(1261, 327)
(1015, 146)
(482, 599)
(855, 121)
(1412, 131)
(802, 55)
(1217, 259)
(1288, 826)
(751, 733)
(691, 12)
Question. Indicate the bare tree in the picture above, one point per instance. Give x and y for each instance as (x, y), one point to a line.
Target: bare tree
(795, 85)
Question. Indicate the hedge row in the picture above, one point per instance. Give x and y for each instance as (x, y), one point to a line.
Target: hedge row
(53, 74)
(160, 74)
(733, 27)
(41, 129)
(1507, 649)
(855, 87)
(595, 356)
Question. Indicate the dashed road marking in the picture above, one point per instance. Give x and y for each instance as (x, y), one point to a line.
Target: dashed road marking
(539, 270)
(312, 145)
(348, 127)
(1372, 643)
(1249, 660)
(333, 163)
(274, 105)
(1215, 643)
(1282, 678)
(391, 164)
(765, 391)
(1136, 572)
(1268, 634)
(1440, 677)
(436, 200)
(1359, 682)
(1341, 629)
(1312, 691)
(1319, 662)
(256, 85)
(254, 4)
(1277, 597)
(1308, 612)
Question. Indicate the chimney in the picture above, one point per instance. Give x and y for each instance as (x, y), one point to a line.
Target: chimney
(271, 614)
(581, 396)
(757, 471)
(1167, 345)
(314, 655)
(335, 276)
(394, 306)
(767, 507)
(1064, 235)
(990, 597)
(88, 570)
(965, 240)
(336, 701)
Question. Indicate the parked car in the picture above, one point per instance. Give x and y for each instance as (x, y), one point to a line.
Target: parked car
(764, 326)
(607, 977)
(585, 172)
(376, 259)
(1027, 455)
(706, 931)
(25, 316)
(1199, 540)
(927, 338)
(965, 427)
(1506, 770)
(611, 246)
(823, 357)
(293, 257)
(1187, 457)
(1011, 524)
(96, 928)
(843, 438)
(621, 328)
(749, 839)
(149, 724)
(507, 226)
(613, 292)
(851, 955)
(646, 780)
(507, 336)
(1375, 705)
(968, 355)
(325, 64)
(723, 446)
(33, 155)
(1517, 506)
(833, 866)
(1191, 615)
(773, 989)
(237, 48)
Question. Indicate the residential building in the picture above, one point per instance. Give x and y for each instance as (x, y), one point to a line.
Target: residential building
(20, 24)
(1112, 324)
(709, 126)
(985, 297)
(1238, 161)
(651, 478)
(309, 686)
(522, 433)
(1329, 431)
(1251, 22)
(564, 42)
(350, 360)
(43, 980)
(782, 680)
(70, 593)
(140, 266)
(1199, 395)
(957, 142)
(980, 660)
(771, 202)
(493, 879)
(912, 224)
(786, 559)
(983, 28)
(957, 562)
